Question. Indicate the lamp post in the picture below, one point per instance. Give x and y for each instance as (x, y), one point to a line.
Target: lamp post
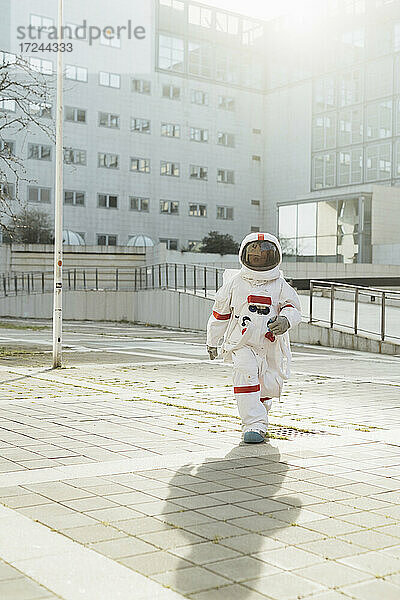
(58, 256)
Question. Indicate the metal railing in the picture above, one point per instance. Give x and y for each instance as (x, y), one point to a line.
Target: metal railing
(196, 279)
(385, 303)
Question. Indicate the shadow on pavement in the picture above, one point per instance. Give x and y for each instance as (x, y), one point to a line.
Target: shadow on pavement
(233, 507)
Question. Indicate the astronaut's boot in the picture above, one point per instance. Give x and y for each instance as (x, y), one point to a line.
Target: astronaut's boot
(253, 437)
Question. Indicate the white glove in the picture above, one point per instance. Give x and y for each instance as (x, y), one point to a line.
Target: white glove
(278, 325)
(213, 352)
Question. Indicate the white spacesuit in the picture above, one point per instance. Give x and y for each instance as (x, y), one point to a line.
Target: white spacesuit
(252, 312)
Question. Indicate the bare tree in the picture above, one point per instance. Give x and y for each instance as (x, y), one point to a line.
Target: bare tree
(25, 96)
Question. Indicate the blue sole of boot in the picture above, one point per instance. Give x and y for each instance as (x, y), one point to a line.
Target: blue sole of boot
(252, 437)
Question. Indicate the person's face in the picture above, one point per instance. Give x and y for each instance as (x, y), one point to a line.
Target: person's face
(255, 256)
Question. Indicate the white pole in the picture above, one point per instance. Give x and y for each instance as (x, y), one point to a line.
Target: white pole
(58, 256)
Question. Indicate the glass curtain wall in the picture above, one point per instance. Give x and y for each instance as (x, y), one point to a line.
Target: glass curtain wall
(333, 230)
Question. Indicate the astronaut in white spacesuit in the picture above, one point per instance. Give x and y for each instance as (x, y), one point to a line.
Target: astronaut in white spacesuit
(252, 312)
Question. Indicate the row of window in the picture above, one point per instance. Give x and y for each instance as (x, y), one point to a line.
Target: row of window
(111, 161)
(136, 203)
(138, 125)
(375, 162)
(377, 120)
(205, 17)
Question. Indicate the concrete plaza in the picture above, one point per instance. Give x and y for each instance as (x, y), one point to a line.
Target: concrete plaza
(122, 474)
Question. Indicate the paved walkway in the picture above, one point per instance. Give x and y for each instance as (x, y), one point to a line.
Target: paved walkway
(122, 475)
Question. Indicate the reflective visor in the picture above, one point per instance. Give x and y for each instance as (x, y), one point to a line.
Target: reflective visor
(260, 255)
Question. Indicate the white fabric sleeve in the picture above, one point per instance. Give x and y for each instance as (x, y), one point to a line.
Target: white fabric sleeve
(221, 315)
(289, 305)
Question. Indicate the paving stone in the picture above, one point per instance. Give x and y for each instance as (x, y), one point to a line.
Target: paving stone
(205, 552)
(193, 579)
(332, 526)
(331, 574)
(153, 563)
(215, 530)
(122, 547)
(92, 533)
(8, 572)
(376, 563)
(332, 548)
(289, 558)
(370, 539)
(284, 586)
(172, 538)
(370, 590)
(231, 592)
(250, 543)
(242, 569)
(22, 589)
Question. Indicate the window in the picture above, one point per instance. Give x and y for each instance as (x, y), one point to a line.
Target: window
(41, 110)
(200, 15)
(324, 170)
(169, 207)
(169, 168)
(174, 4)
(7, 104)
(140, 165)
(171, 244)
(255, 203)
(7, 148)
(200, 59)
(7, 191)
(140, 125)
(199, 97)
(197, 210)
(350, 87)
(225, 139)
(256, 131)
(378, 162)
(225, 212)
(350, 130)
(198, 172)
(113, 42)
(7, 59)
(324, 131)
(108, 120)
(170, 53)
(39, 194)
(324, 93)
(139, 204)
(350, 166)
(75, 157)
(254, 229)
(379, 120)
(141, 86)
(170, 130)
(75, 115)
(198, 135)
(39, 152)
(41, 66)
(40, 21)
(172, 92)
(74, 198)
(107, 160)
(76, 73)
(256, 158)
(227, 23)
(107, 201)
(109, 79)
(226, 103)
(106, 239)
(225, 176)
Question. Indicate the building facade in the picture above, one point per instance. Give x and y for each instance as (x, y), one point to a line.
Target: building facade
(291, 126)
(172, 153)
(339, 96)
